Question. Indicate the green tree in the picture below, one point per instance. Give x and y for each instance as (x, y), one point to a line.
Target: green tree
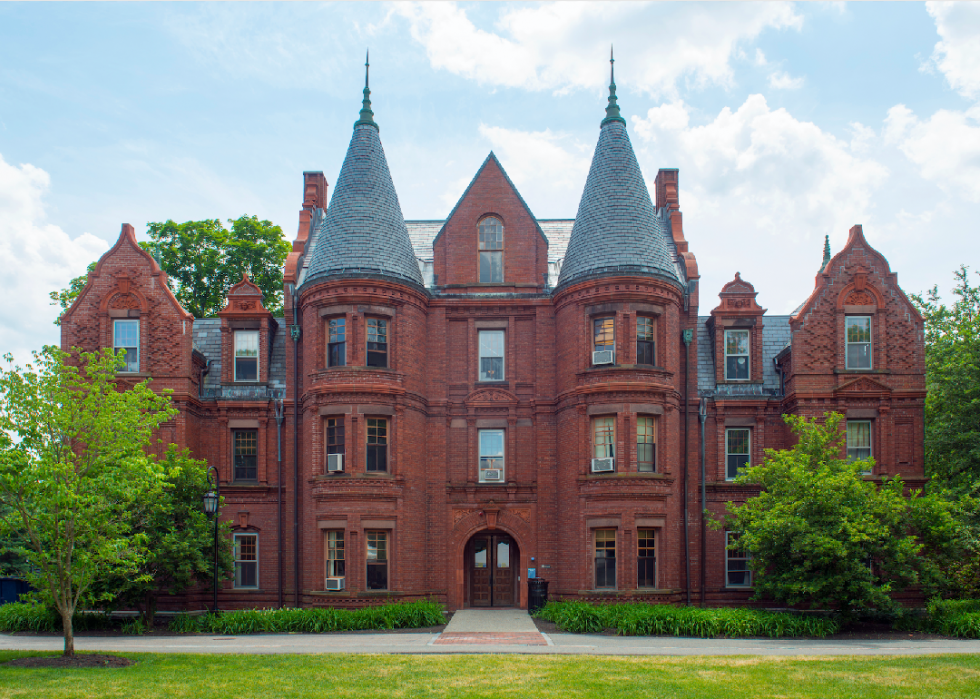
(203, 260)
(72, 463)
(952, 340)
(820, 533)
(66, 297)
(181, 535)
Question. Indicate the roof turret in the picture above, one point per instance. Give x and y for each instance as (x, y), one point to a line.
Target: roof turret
(617, 230)
(363, 232)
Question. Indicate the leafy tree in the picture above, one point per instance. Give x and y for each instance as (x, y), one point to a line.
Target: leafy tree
(72, 464)
(948, 524)
(203, 259)
(66, 297)
(818, 532)
(181, 535)
(952, 339)
(13, 563)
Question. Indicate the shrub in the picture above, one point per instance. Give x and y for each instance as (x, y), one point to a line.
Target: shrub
(667, 620)
(955, 617)
(402, 615)
(32, 616)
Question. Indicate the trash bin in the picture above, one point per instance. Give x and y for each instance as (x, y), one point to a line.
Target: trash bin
(537, 594)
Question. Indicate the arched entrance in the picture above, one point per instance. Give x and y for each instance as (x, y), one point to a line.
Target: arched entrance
(492, 562)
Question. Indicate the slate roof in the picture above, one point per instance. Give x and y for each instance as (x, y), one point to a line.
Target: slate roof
(207, 341)
(363, 231)
(617, 230)
(422, 234)
(776, 336)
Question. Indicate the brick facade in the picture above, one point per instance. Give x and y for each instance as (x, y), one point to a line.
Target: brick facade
(554, 407)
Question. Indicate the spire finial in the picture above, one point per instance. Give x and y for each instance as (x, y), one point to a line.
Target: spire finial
(612, 109)
(366, 116)
(826, 253)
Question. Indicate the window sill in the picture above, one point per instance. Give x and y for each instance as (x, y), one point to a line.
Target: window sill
(247, 589)
(742, 381)
(613, 475)
(838, 370)
(493, 382)
(133, 374)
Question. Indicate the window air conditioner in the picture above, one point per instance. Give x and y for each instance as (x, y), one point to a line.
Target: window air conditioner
(603, 465)
(603, 357)
(335, 463)
(335, 583)
(493, 474)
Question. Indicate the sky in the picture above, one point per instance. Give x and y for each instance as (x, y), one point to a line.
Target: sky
(788, 122)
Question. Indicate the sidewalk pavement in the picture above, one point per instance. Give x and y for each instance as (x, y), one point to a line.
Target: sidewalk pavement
(483, 642)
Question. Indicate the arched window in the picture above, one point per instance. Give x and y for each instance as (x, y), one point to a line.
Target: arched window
(491, 250)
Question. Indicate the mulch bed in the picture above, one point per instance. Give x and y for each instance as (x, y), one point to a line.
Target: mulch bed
(75, 661)
(857, 632)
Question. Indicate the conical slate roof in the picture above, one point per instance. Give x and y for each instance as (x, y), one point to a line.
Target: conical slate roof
(363, 231)
(617, 229)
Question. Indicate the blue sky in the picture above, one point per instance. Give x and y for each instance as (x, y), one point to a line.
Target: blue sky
(788, 122)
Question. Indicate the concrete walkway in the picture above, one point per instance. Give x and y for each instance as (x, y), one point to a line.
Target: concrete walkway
(491, 627)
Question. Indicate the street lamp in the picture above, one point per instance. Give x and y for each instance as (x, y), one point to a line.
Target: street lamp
(211, 500)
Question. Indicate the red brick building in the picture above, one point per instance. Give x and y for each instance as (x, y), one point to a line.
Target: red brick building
(466, 399)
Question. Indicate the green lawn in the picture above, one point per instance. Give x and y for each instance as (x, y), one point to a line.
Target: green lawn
(527, 677)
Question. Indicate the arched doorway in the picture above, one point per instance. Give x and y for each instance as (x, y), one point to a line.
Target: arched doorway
(492, 562)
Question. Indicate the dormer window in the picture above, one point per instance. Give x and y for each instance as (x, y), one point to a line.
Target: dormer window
(858, 341)
(736, 355)
(126, 337)
(491, 250)
(246, 355)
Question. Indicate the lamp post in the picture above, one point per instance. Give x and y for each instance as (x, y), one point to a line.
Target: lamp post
(212, 498)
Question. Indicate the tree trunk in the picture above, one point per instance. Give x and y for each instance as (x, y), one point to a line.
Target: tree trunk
(151, 611)
(69, 635)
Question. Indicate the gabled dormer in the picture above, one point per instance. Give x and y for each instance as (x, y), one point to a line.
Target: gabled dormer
(491, 241)
(735, 328)
(247, 331)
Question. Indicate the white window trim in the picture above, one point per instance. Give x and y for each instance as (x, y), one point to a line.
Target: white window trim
(656, 557)
(611, 446)
(117, 347)
(747, 355)
(326, 552)
(748, 572)
(503, 459)
(871, 439)
(258, 356)
(479, 358)
(869, 343)
(727, 454)
(237, 561)
(656, 429)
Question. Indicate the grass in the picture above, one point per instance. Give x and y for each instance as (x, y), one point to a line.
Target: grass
(471, 676)
(667, 620)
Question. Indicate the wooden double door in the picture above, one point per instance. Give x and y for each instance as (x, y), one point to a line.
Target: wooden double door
(492, 560)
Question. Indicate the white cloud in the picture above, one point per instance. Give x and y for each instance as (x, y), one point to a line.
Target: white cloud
(756, 171)
(760, 58)
(556, 46)
(945, 147)
(781, 80)
(37, 257)
(957, 55)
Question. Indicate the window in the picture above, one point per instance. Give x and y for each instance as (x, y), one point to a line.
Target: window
(605, 558)
(603, 335)
(646, 558)
(335, 554)
(858, 440)
(736, 355)
(377, 560)
(377, 444)
(737, 572)
(604, 438)
(491, 250)
(246, 454)
(377, 342)
(335, 436)
(646, 444)
(246, 355)
(337, 342)
(491, 355)
(858, 341)
(491, 456)
(126, 336)
(646, 343)
(246, 560)
(737, 450)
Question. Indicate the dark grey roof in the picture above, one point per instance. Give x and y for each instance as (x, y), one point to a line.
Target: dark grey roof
(363, 231)
(207, 341)
(776, 336)
(617, 230)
